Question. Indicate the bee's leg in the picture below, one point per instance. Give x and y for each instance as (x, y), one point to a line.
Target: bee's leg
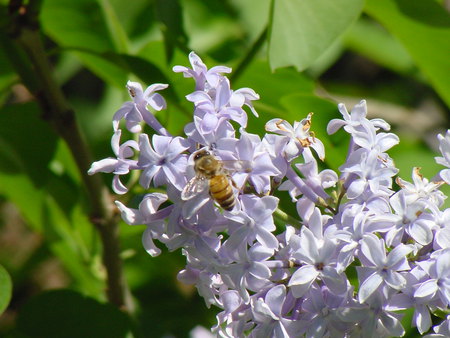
(234, 183)
(246, 188)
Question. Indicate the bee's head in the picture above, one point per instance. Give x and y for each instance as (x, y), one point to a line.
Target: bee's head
(200, 154)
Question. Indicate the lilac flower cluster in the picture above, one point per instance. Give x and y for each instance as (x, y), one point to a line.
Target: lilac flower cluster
(355, 256)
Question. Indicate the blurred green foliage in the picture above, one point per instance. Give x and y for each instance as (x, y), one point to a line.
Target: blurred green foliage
(299, 55)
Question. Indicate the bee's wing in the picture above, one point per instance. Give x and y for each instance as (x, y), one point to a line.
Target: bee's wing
(239, 166)
(195, 186)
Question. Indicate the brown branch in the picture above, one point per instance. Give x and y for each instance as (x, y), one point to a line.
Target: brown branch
(24, 30)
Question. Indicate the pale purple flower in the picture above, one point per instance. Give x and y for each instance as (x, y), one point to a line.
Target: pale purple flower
(164, 162)
(257, 221)
(275, 274)
(233, 321)
(204, 79)
(371, 174)
(135, 111)
(219, 104)
(230, 301)
(317, 181)
(316, 255)
(148, 214)
(442, 330)
(380, 269)
(355, 221)
(183, 231)
(405, 300)
(441, 227)
(210, 132)
(410, 219)
(352, 122)
(306, 204)
(442, 235)
(208, 284)
(244, 96)
(120, 165)
(444, 147)
(298, 137)
(270, 317)
(438, 284)
(377, 321)
(421, 188)
(249, 271)
(320, 310)
(274, 145)
(258, 168)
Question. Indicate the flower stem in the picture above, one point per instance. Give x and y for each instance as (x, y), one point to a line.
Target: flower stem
(285, 218)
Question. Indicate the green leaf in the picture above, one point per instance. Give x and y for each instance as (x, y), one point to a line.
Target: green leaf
(272, 86)
(423, 27)
(22, 148)
(5, 289)
(7, 74)
(72, 239)
(169, 13)
(64, 225)
(115, 68)
(88, 36)
(66, 313)
(366, 37)
(116, 31)
(302, 30)
(21, 191)
(253, 15)
(66, 22)
(102, 67)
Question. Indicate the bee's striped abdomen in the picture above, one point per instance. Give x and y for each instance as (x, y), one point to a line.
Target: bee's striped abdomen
(222, 192)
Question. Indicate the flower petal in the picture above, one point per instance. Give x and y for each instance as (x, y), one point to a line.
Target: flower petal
(427, 289)
(369, 286)
(302, 279)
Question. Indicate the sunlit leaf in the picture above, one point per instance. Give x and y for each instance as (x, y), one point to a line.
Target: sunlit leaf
(423, 27)
(116, 31)
(272, 86)
(302, 30)
(253, 14)
(67, 22)
(5, 289)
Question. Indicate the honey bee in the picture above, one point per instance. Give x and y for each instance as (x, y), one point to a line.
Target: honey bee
(210, 173)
